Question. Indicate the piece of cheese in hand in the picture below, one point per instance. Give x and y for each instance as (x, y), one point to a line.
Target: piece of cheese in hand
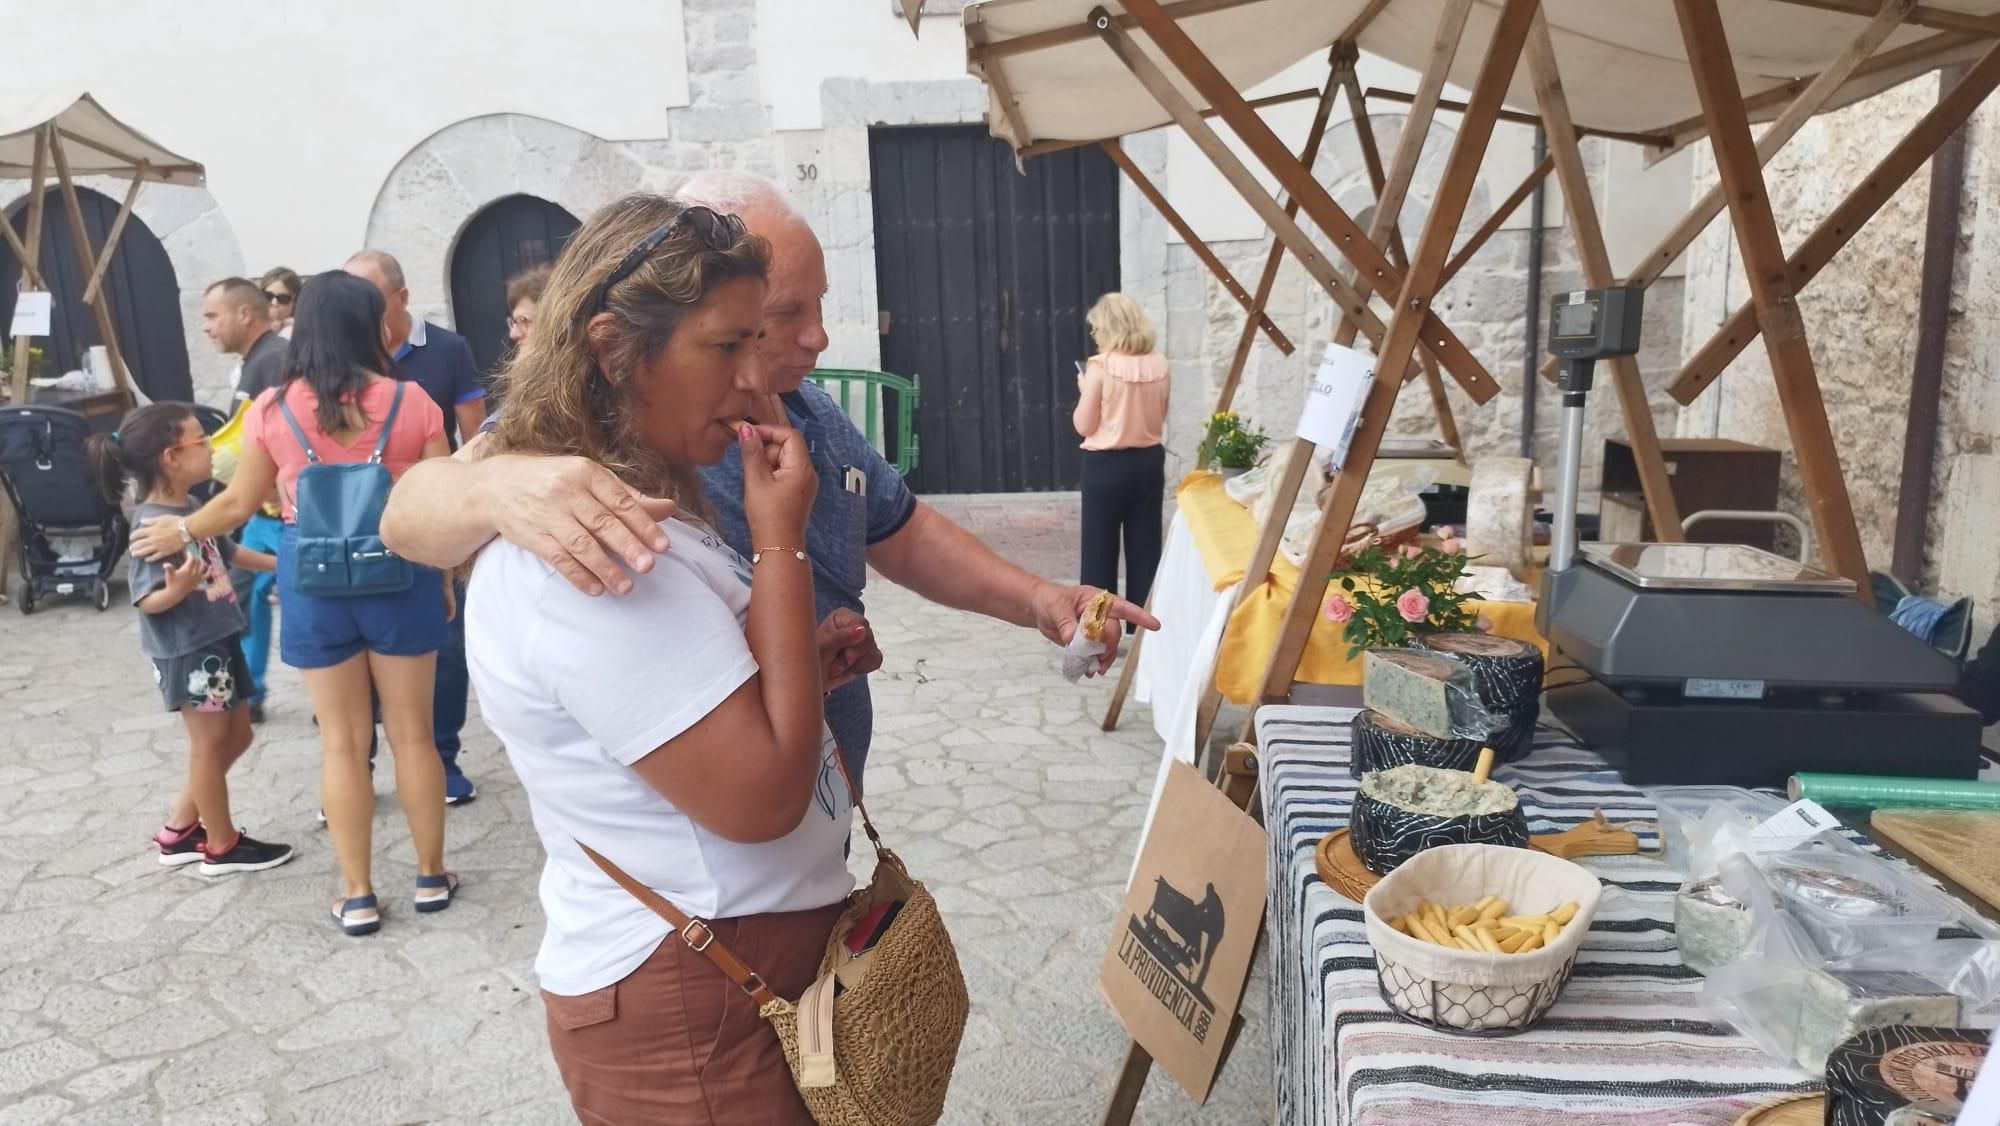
(1409, 687)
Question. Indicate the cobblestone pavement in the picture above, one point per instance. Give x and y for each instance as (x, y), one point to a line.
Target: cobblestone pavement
(130, 993)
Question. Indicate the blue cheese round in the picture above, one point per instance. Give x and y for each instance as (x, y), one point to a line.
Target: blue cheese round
(1378, 742)
(1404, 810)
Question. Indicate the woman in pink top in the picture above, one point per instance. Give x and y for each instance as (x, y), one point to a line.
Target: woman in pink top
(1121, 411)
(354, 648)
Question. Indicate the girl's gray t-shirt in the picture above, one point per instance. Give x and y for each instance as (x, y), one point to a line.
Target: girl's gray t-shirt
(206, 616)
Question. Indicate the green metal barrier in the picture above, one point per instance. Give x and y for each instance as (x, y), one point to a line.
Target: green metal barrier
(874, 388)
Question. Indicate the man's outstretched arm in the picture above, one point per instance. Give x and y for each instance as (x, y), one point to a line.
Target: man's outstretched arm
(572, 512)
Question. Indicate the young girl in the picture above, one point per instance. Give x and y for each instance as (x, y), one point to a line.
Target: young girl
(190, 626)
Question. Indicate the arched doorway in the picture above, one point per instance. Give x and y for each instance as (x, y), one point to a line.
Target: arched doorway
(505, 237)
(144, 294)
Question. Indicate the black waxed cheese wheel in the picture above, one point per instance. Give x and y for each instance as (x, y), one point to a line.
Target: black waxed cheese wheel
(1378, 742)
(1902, 1074)
(1509, 671)
(1385, 834)
(1509, 676)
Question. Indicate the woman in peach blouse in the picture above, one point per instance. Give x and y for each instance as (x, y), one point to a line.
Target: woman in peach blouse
(1121, 412)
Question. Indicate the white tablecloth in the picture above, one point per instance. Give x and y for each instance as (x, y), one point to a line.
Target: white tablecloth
(1178, 661)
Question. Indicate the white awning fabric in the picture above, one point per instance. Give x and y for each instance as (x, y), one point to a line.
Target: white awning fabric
(1624, 65)
(96, 143)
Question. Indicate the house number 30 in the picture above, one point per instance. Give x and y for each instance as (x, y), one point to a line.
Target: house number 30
(808, 172)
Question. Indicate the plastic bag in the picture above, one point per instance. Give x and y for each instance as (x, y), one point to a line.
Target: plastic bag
(1758, 994)
(1968, 967)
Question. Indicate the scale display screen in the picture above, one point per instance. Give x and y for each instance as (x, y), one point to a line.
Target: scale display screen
(1577, 320)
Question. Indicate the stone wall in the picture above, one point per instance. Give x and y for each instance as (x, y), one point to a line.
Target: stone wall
(1860, 316)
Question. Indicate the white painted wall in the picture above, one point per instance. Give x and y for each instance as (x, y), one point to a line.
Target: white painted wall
(301, 110)
(802, 43)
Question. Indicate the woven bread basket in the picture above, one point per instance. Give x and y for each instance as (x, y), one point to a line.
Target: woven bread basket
(1458, 991)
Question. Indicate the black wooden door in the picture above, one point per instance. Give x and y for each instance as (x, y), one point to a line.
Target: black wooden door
(983, 277)
(507, 236)
(145, 296)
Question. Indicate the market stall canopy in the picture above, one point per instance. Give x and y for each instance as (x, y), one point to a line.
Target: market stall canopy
(1624, 65)
(97, 143)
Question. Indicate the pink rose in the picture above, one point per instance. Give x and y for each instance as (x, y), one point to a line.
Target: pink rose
(1449, 546)
(1484, 624)
(1413, 605)
(1411, 551)
(1339, 609)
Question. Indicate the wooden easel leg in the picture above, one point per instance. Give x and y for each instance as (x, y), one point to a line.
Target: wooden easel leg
(100, 309)
(1131, 1084)
(1503, 52)
(1953, 108)
(1596, 262)
(1269, 278)
(1479, 238)
(31, 259)
(1772, 292)
(1117, 705)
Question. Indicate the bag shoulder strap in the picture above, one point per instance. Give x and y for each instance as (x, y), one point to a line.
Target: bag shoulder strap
(694, 932)
(285, 408)
(382, 440)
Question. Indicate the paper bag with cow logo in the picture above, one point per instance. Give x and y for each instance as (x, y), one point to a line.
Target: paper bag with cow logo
(1180, 948)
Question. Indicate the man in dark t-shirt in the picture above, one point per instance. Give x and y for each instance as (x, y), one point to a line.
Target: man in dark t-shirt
(236, 317)
(439, 361)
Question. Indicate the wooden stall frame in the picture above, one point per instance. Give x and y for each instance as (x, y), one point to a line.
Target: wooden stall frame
(1783, 328)
(1588, 233)
(1252, 309)
(1496, 71)
(100, 308)
(1953, 108)
(31, 258)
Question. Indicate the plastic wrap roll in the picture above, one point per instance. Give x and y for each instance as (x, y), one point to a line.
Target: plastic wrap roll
(1902, 1075)
(1874, 791)
(1509, 676)
(1388, 827)
(1379, 742)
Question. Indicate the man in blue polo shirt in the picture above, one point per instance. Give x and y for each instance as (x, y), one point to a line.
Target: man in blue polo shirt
(439, 361)
(591, 527)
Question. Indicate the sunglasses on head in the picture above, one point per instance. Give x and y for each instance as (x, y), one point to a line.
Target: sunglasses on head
(278, 297)
(715, 230)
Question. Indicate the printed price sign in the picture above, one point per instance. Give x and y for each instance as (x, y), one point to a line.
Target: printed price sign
(31, 314)
(1334, 405)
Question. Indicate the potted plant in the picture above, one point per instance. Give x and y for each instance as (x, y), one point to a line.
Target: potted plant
(1230, 445)
(1384, 598)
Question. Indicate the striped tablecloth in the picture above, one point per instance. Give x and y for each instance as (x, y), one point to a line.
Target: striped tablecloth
(1626, 1043)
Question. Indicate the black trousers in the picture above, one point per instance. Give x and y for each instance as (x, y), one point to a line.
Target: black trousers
(1122, 494)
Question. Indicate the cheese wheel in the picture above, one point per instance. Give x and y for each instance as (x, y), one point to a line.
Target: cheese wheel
(1378, 742)
(1902, 1074)
(1385, 833)
(1508, 673)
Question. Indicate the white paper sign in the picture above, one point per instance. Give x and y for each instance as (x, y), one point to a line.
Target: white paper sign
(31, 314)
(1982, 1104)
(1334, 405)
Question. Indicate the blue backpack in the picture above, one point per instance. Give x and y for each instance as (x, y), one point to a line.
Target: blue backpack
(338, 510)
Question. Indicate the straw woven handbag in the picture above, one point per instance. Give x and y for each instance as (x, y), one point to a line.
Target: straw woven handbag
(881, 1053)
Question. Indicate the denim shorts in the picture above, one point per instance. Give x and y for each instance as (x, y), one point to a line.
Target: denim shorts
(315, 632)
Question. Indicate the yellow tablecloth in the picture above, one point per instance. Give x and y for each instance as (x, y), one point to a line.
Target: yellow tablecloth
(1225, 533)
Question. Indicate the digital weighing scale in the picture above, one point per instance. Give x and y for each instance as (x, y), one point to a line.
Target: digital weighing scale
(1723, 664)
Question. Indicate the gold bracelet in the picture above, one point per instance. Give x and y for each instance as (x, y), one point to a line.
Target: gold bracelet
(797, 553)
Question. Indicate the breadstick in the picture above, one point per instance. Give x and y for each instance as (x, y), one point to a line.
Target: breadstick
(1564, 913)
(1487, 942)
(1550, 931)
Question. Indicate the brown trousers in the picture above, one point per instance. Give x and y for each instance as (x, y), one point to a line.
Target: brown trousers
(677, 1042)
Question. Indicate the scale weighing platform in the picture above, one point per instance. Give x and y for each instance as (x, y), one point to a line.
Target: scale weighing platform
(1722, 664)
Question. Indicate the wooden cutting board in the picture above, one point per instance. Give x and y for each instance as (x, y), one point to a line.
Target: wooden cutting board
(1959, 844)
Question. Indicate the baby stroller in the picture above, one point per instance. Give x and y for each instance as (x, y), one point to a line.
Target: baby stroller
(70, 536)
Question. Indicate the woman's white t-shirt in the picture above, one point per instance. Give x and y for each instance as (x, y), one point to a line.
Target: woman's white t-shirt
(578, 689)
